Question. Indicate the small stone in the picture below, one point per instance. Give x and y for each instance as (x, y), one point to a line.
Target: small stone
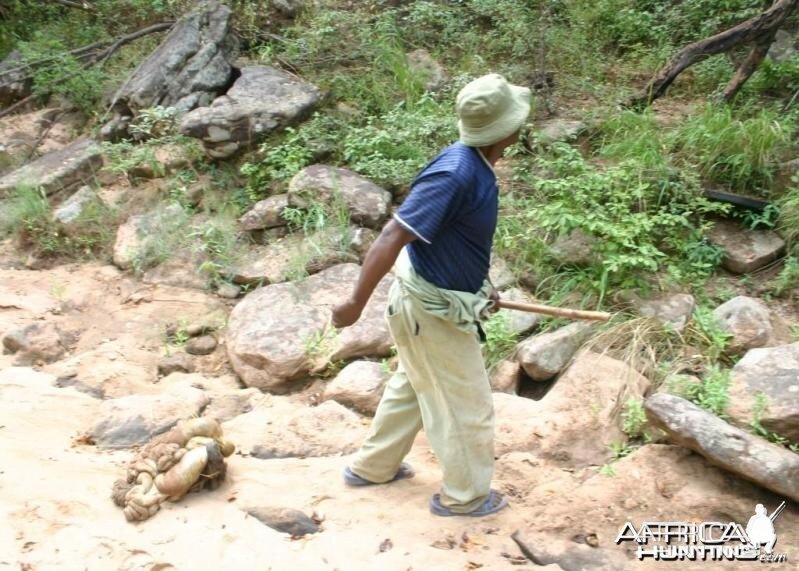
(286, 520)
(359, 385)
(544, 356)
(746, 250)
(265, 214)
(675, 310)
(576, 248)
(204, 345)
(560, 130)
(228, 291)
(748, 320)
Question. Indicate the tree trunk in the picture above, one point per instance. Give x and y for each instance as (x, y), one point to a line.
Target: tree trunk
(760, 29)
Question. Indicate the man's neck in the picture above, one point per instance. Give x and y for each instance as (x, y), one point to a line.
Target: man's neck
(491, 153)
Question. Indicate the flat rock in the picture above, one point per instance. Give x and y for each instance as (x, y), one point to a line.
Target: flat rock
(674, 310)
(285, 520)
(742, 453)
(190, 67)
(265, 213)
(281, 429)
(359, 385)
(748, 320)
(224, 407)
(774, 373)
(544, 356)
(262, 100)
(135, 419)
(745, 250)
(368, 204)
(575, 422)
(57, 170)
(280, 333)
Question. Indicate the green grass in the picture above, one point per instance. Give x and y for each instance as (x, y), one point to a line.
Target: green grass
(500, 340)
(710, 393)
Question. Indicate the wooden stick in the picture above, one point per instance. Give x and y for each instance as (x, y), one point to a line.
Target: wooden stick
(556, 311)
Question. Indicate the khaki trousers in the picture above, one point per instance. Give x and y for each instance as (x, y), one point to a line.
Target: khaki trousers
(440, 384)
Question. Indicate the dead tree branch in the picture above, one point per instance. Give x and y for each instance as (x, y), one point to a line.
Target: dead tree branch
(759, 30)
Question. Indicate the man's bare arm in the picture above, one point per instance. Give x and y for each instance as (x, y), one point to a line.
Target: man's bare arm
(378, 262)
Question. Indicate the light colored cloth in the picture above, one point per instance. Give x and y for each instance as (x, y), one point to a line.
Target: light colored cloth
(441, 384)
(462, 308)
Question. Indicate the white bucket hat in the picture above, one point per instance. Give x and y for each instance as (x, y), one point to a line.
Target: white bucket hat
(490, 109)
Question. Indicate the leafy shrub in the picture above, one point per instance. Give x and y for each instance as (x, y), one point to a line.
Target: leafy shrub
(500, 340)
(711, 393)
(633, 418)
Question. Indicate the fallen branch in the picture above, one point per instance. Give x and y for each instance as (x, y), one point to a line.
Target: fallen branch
(9, 110)
(759, 30)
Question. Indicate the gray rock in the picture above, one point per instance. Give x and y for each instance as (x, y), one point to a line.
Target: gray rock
(774, 373)
(15, 85)
(368, 203)
(783, 47)
(135, 419)
(228, 406)
(166, 159)
(289, 8)
(280, 333)
(262, 100)
(204, 345)
(519, 322)
(748, 320)
(175, 363)
(499, 274)
(266, 213)
(724, 445)
(190, 67)
(576, 248)
(285, 520)
(58, 170)
(745, 250)
(359, 385)
(71, 209)
(142, 231)
(228, 290)
(544, 356)
(430, 73)
(38, 342)
(559, 131)
(674, 310)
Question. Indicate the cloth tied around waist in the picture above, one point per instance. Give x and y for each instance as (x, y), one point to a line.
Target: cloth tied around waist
(463, 308)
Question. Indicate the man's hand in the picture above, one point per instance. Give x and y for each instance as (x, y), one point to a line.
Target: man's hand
(494, 296)
(346, 314)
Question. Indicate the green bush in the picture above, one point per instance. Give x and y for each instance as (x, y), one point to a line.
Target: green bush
(711, 393)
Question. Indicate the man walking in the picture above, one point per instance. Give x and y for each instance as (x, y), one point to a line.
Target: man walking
(439, 243)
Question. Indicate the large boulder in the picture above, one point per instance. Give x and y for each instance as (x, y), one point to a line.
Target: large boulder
(575, 248)
(16, 84)
(544, 356)
(283, 429)
(38, 342)
(368, 204)
(281, 333)
(69, 213)
(359, 385)
(133, 420)
(765, 386)
(58, 170)
(724, 445)
(262, 100)
(745, 250)
(577, 419)
(190, 67)
(747, 320)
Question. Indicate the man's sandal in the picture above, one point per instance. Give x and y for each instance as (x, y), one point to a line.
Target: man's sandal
(352, 479)
(492, 504)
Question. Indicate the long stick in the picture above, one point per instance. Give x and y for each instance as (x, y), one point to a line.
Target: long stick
(556, 311)
(777, 512)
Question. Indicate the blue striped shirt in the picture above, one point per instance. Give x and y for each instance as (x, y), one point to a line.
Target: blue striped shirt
(452, 209)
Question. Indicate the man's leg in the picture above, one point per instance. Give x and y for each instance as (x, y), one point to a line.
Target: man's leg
(446, 368)
(394, 427)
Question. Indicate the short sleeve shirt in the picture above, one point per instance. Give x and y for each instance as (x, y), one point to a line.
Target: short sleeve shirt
(452, 209)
